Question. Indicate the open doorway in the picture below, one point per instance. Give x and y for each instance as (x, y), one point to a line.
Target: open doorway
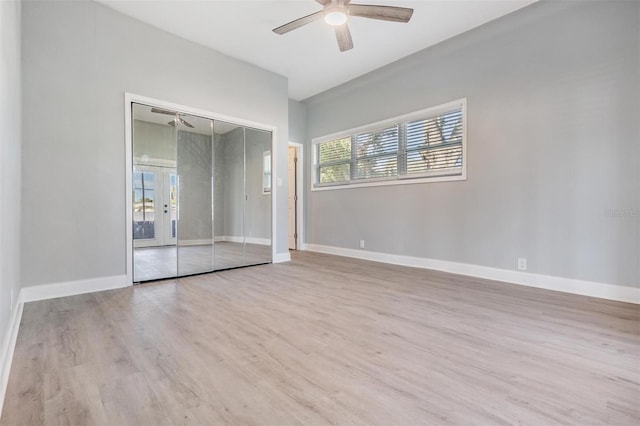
(295, 196)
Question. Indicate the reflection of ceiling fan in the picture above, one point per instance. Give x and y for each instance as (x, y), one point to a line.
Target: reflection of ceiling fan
(336, 12)
(175, 121)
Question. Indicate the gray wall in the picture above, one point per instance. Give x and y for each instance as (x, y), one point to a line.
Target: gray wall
(10, 175)
(553, 147)
(297, 121)
(79, 58)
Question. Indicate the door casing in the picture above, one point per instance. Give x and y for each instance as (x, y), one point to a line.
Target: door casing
(300, 193)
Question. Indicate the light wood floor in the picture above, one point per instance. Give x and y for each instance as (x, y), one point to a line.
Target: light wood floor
(323, 340)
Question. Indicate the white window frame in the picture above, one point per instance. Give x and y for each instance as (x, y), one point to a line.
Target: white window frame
(435, 176)
(266, 190)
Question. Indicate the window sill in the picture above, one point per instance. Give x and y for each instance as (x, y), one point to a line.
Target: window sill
(394, 181)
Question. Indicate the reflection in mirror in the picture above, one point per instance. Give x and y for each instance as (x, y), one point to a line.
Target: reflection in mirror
(242, 196)
(230, 195)
(154, 195)
(201, 194)
(195, 224)
(258, 200)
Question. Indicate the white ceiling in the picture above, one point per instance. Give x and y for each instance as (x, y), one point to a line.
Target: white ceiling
(309, 56)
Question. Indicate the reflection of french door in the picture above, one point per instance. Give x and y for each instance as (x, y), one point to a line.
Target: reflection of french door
(154, 206)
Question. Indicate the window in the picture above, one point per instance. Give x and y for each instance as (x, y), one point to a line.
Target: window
(334, 163)
(376, 153)
(427, 145)
(266, 172)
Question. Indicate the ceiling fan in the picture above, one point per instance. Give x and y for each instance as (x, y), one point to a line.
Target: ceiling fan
(336, 13)
(175, 121)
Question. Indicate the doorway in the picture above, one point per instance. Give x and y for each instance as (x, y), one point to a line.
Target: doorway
(295, 196)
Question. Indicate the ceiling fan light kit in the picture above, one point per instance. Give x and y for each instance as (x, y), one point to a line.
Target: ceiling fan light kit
(336, 13)
(335, 17)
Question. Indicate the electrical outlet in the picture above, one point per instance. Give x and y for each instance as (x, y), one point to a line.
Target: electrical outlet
(361, 244)
(522, 263)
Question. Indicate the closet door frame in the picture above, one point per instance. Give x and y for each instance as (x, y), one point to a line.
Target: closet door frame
(129, 99)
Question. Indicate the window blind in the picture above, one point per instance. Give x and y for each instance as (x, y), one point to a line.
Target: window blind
(434, 144)
(334, 161)
(431, 145)
(376, 153)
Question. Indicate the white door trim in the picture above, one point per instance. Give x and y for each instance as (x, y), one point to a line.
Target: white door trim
(131, 97)
(300, 191)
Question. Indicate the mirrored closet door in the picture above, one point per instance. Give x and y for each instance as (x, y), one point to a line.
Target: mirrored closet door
(195, 205)
(201, 194)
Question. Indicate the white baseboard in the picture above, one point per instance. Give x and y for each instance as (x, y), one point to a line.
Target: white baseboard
(249, 240)
(282, 257)
(8, 346)
(224, 238)
(71, 288)
(205, 242)
(259, 241)
(567, 285)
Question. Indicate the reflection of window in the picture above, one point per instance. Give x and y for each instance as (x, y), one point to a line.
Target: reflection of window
(266, 172)
(143, 205)
(173, 199)
(427, 144)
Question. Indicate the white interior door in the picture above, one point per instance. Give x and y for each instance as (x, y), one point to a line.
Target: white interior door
(154, 206)
(293, 217)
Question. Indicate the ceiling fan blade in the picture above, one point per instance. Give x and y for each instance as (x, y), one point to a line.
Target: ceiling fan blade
(298, 23)
(173, 123)
(324, 2)
(163, 111)
(385, 13)
(186, 123)
(344, 37)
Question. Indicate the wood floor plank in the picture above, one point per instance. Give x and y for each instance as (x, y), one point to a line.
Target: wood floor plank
(72, 399)
(131, 400)
(326, 340)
